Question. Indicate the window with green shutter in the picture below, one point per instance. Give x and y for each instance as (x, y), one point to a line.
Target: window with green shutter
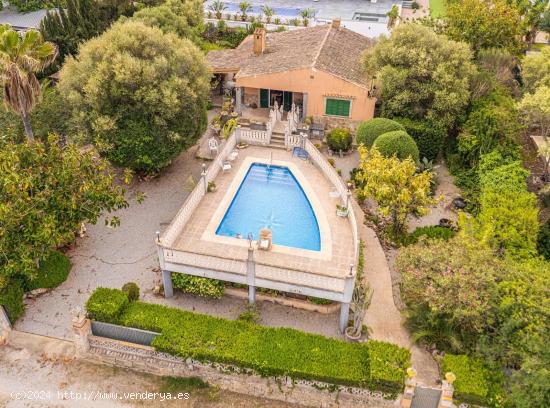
(337, 107)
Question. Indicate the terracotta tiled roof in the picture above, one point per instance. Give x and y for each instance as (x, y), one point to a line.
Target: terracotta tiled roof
(334, 50)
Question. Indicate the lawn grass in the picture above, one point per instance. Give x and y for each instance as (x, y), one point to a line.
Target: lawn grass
(53, 272)
(438, 8)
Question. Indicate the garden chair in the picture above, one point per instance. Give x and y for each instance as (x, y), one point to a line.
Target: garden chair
(213, 146)
(226, 166)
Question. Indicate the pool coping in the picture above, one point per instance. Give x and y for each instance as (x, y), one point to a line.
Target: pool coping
(209, 233)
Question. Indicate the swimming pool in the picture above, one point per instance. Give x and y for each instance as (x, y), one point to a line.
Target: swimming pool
(271, 197)
(255, 9)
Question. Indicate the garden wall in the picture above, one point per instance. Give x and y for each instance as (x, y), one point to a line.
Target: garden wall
(145, 358)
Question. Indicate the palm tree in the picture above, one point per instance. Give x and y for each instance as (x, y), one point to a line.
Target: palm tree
(306, 14)
(217, 7)
(268, 12)
(245, 7)
(21, 57)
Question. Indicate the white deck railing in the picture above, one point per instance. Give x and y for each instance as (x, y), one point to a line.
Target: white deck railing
(193, 199)
(255, 137)
(321, 162)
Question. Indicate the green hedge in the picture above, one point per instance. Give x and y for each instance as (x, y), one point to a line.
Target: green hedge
(265, 350)
(11, 297)
(368, 131)
(429, 136)
(53, 272)
(472, 383)
(397, 143)
(107, 305)
(196, 285)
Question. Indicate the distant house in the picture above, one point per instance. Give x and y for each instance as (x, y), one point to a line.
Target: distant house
(317, 68)
(22, 21)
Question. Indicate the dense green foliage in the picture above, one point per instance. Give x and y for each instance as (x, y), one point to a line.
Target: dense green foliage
(508, 216)
(369, 130)
(397, 143)
(48, 116)
(464, 299)
(167, 20)
(107, 305)
(543, 240)
(472, 378)
(493, 122)
(485, 24)
(140, 95)
(428, 135)
(395, 185)
(132, 290)
(430, 232)
(53, 271)
(339, 139)
(423, 75)
(79, 21)
(265, 350)
(46, 193)
(196, 285)
(535, 109)
(11, 297)
(536, 70)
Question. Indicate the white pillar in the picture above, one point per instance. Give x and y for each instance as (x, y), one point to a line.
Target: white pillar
(304, 105)
(348, 293)
(167, 281)
(344, 316)
(251, 276)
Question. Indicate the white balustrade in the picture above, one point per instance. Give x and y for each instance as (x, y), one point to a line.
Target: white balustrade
(316, 157)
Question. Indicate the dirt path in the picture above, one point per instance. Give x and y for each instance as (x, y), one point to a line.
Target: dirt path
(66, 382)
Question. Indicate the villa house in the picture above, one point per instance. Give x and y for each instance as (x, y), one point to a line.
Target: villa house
(317, 68)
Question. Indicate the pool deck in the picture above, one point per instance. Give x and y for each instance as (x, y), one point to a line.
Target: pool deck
(337, 249)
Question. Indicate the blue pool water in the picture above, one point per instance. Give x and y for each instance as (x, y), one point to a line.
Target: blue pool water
(270, 197)
(279, 11)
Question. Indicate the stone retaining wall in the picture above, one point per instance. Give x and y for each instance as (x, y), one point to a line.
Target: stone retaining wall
(144, 358)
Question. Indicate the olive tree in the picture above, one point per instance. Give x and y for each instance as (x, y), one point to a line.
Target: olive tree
(422, 74)
(138, 94)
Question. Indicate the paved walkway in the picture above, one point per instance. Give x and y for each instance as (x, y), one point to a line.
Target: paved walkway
(382, 317)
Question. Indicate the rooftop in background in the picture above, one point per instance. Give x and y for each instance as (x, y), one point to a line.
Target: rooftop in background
(333, 50)
(22, 21)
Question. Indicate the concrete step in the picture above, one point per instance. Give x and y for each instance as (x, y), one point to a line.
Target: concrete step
(277, 146)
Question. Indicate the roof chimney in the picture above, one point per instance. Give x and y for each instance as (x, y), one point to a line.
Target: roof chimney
(336, 22)
(259, 41)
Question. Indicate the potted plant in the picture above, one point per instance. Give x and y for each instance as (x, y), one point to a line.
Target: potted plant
(339, 141)
(341, 210)
(360, 302)
(211, 187)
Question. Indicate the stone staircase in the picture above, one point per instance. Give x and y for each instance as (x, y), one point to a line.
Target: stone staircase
(277, 140)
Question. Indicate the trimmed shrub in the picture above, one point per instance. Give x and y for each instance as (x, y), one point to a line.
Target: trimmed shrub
(397, 143)
(368, 131)
(268, 351)
(472, 383)
(53, 272)
(107, 305)
(196, 285)
(11, 297)
(339, 139)
(132, 290)
(429, 136)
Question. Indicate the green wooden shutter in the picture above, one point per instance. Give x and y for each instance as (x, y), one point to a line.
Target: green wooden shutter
(337, 107)
(264, 98)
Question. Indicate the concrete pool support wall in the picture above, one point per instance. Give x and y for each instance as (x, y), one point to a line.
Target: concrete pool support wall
(291, 270)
